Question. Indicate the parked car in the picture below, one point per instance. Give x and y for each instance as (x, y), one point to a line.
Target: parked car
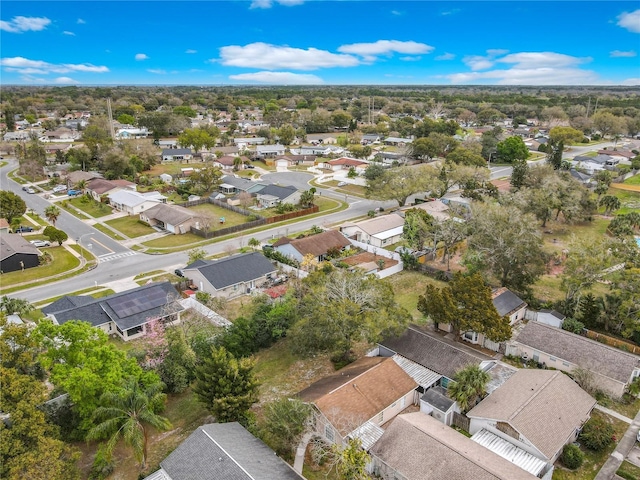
(178, 272)
(251, 166)
(40, 243)
(59, 188)
(342, 184)
(73, 193)
(22, 229)
(24, 188)
(30, 190)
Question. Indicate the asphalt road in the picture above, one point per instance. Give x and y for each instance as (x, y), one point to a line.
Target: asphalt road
(119, 263)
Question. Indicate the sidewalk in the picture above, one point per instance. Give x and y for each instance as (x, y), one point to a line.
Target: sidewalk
(627, 442)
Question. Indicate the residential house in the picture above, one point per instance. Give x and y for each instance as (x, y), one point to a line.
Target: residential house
(61, 134)
(612, 369)
(4, 225)
(418, 447)
(370, 138)
(324, 138)
(172, 218)
(436, 403)
(125, 313)
(232, 184)
(508, 304)
(274, 195)
(263, 151)
(76, 124)
(317, 246)
(223, 451)
(357, 400)
(431, 352)
(397, 141)
(228, 162)
(51, 149)
(166, 178)
(318, 150)
(99, 187)
(176, 154)
(622, 156)
(16, 253)
(538, 411)
(231, 276)
(591, 165)
(345, 163)
(436, 208)
(19, 136)
(583, 178)
(379, 231)
(168, 143)
(245, 142)
(129, 132)
(77, 176)
(134, 203)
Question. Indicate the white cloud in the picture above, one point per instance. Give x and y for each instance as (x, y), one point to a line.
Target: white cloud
(66, 32)
(527, 68)
(190, 51)
(530, 76)
(618, 53)
(157, 71)
(631, 81)
(141, 56)
(445, 56)
(24, 24)
(542, 59)
(480, 62)
(278, 78)
(386, 47)
(411, 59)
(65, 81)
(269, 3)
(80, 21)
(26, 66)
(270, 57)
(396, 12)
(450, 12)
(630, 21)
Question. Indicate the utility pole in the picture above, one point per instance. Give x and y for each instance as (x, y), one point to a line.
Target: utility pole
(110, 114)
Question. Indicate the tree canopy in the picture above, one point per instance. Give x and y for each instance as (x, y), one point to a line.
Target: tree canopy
(511, 149)
(11, 205)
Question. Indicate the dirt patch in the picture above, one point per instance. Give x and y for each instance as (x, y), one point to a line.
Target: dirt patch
(503, 185)
(368, 257)
(626, 186)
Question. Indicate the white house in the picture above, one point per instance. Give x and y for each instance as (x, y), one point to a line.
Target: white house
(379, 231)
(176, 154)
(263, 151)
(134, 203)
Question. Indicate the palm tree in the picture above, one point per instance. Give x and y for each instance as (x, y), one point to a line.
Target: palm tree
(469, 386)
(81, 185)
(127, 415)
(610, 203)
(52, 213)
(18, 306)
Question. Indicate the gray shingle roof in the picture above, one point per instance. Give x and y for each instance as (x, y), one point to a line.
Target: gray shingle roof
(420, 447)
(278, 191)
(11, 244)
(545, 406)
(506, 302)
(431, 352)
(170, 214)
(176, 151)
(225, 451)
(236, 269)
(126, 309)
(579, 350)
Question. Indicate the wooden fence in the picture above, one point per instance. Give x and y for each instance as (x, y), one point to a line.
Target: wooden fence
(612, 341)
(290, 215)
(461, 421)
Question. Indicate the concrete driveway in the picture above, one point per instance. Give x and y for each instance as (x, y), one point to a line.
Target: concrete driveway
(634, 455)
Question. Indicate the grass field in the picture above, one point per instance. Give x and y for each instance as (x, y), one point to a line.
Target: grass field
(169, 241)
(628, 471)
(63, 261)
(130, 226)
(214, 213)
(629, 199)
(407, 286)
(90, 206)
(593, 461)
(108, 231)
(172, 168)
(635, 180)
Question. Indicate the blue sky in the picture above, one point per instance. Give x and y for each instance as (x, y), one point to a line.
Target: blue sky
(332, 42)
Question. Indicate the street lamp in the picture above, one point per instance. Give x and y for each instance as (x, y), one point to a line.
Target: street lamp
(79, 242)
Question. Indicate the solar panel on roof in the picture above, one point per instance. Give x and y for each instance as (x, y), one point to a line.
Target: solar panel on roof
(136, 302)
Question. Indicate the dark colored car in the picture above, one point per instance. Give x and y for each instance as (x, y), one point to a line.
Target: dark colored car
(178, 272)
(22, 229)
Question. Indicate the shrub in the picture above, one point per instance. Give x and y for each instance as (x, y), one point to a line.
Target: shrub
(572, 456)
(103, 464)
(572, 325)
(597, 434)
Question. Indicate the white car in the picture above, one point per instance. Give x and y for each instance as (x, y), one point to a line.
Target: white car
(59, 188)
(342, 184)
(40, 243)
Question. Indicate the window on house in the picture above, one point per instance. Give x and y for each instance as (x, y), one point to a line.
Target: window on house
(328, 432)
(380, 417)
(566, 364)
(471, 337)
(552, 359)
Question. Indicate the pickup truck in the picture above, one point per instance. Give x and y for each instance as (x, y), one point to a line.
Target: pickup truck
(22, 229)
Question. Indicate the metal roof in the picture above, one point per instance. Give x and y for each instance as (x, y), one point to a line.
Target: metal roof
(423, 376)
(368, 433)
(509, 451)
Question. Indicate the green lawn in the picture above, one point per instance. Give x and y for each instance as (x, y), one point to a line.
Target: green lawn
(593, 461)
(215, 212)
(172, 168)
(90, 206)
(148, 274)
(407, 286)
(349, 188)
(108, 231)
(635, 180)
(628, 471)
(130, 226)
(628, 406)
(63, 261)
(169, 241)
(630, 200)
